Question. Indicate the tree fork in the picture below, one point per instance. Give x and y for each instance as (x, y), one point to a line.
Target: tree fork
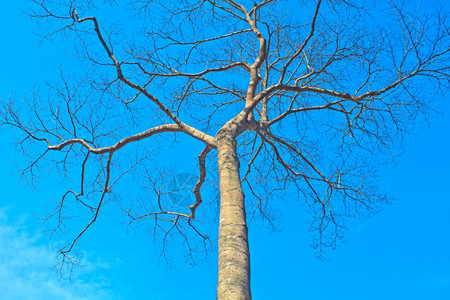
(234, 254)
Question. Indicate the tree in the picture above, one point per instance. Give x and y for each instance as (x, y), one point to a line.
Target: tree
(305, 95)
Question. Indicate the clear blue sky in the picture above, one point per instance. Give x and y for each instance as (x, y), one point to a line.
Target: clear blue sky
(401, 253)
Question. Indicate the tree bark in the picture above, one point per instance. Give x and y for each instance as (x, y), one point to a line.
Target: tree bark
(234, 255)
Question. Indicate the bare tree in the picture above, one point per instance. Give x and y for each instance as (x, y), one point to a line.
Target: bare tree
(304, 94)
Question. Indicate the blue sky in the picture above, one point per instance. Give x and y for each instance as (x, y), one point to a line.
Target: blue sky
(400, 253)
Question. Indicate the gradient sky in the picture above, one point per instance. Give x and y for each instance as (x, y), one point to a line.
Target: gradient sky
(401, 253)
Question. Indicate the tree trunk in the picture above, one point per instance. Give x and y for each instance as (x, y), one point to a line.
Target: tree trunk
(234, 255)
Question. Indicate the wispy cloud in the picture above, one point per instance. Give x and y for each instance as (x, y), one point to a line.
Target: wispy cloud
(26, 269)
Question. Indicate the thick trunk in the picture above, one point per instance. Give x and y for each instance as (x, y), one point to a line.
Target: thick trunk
(234, 255)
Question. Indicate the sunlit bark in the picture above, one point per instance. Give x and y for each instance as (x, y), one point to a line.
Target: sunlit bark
(234, 255)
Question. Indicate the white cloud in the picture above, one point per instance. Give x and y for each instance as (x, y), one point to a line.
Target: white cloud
(26, 269)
